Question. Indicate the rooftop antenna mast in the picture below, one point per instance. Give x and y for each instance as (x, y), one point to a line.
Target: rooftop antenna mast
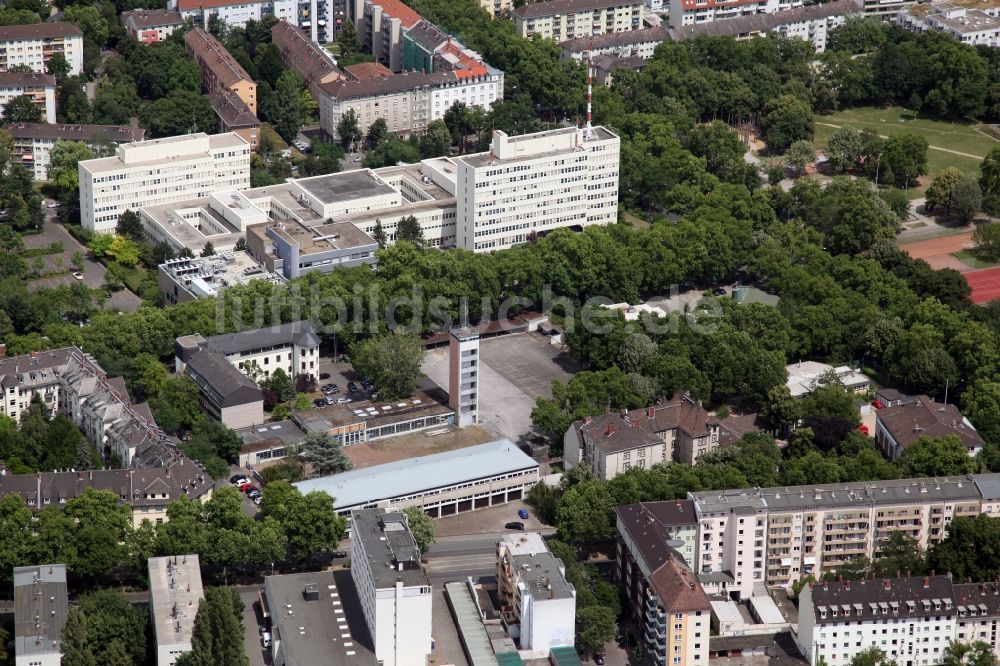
(589, 132)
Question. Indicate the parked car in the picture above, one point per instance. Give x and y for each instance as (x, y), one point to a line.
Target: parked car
(257, 500)
(77, 275)
(877, 404)
(352, 387)
(599, 659)
(329, 400)
(359, 158)
(522, 514)
(254, 493)
(245, 486)
(514, 526)
(236, 477)
(344, 400)
(719, 291)
(864, 429)
(373, 395)
(324, 375)
(339, 554)
(54, 204)
(242, 481)
(319, 402)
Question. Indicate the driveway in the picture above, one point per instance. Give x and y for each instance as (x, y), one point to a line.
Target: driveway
(93, 271)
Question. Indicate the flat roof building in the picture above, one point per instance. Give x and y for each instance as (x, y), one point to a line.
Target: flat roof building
(34, 44)
(690, 12)
(806, 376)
(160, 171)
(174, 594)
(41, 605)
(394, 591)
(442, 484)
(191, 278)
(34, 141)
(977, 24)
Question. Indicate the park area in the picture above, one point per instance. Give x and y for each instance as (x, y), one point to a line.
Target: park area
(956, 251)
(952, 144)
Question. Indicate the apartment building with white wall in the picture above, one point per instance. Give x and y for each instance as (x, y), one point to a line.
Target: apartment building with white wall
(632, 43)
(968, 25)
(662, 594)
(567, 19)
(32, 45)
(41, 606)
(691, 12)
(39, 88)
(150, 26)
(159, 171)
(395, 594)
(527, 185)
(537, 603)
(175, 590)
(34, 141)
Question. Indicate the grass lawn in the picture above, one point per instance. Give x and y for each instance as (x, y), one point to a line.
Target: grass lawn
(970, 260)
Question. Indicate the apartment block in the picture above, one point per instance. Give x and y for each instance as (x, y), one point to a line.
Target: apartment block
(304, 57)
(380, 25)
(675, 521)
(670, 607)
(41, 606)
(631, 43)
(34, 141)
(812, 23)
(236, 117)
(150, 26)
(190, 278)
(568, 19)
(900, 426)
(219, 69)
(32, 46)
(175, 590)
(537, 603)
(159, 171)
(496, 8)
(463, 370)
(39, 88)
(779, 535)
(690, 12)
(395, 594)
(966, 24)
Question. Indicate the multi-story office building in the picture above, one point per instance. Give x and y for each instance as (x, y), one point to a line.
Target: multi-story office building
(395, 594)
(39, 88)
(690, 12)
(175, 591)
(190, 278)
(463, 369)
(34, 141)
(304, 57)
(159, 171)
(527, 185)
(662, 593)
(220, 71)
(812, 23)
(235, 116)
(32, 46)
(568, 19)
(779, 535)
(899, 427)
(150, 26)
(537, 603)
(639, 43)
(41, 606)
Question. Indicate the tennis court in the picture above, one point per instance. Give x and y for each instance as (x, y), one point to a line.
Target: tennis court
(985, 284)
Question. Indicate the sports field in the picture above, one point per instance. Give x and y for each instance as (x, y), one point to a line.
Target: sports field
(954, 252)
(985, 285)
(961, 145)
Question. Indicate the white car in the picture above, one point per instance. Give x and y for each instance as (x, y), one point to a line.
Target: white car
(54, 204)
(265, 638)
(344, 401)
(77, 275)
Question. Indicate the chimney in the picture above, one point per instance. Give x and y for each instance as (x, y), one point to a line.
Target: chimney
(587, 420)
(651, 412)
(610, 429)
(887, 584)
(847, 585)
(927, 582)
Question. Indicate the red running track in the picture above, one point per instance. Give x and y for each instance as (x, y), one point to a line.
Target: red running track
(985, 284)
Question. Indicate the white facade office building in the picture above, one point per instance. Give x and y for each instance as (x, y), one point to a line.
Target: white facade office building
(159, 171)
(534, 183)
(175, 591)
(395, 594)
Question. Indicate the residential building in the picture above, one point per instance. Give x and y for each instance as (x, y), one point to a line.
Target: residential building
(32, 45)
(41, 606)
(674, 521)
(304, 57)
(190, 278)
(604, 66)
(380, 25)
(969, 25)
(567, 19)
(367, 71)
(912, 619)
(537, 603)
(442, 484)
(678, 429)
(34, 141)
(463, 369)
(428, 49)
(236, 117)
(530, 184)
(780, 535)
(219, 69)
(320, 19)
(496, 8)
(811, 22)
(662, 594)
(806, 376)
(394, 592)
(175, 591)
(315, 618)
(690, 12)
(636, 43)
(160, 171)
(230, 12)
(150, 26)
(978, 606)
(899, 427)
(886, 10)
(39, 88)
(225, 393)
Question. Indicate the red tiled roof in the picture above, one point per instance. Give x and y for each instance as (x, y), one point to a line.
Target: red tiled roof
(678, 588)
(397, 9)
(368, 71)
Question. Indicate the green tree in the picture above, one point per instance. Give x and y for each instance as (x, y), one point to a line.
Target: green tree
(986, 240)
(182, 111)
(977, 653)
(989, 170)
(900, 555)
(21, 109)
(75, 648)
(348, 40)
(981, 404)
(281, 384)
(391, 361)
(208, 250)
(597, 626)
(217, 637)
(967, 198)
(408, 229)
(57, 66)
(63, 160)
(325, 454)
(786, 119)
(436, 141)
(905, 155)
(286, 113)
(941, 191)
(348, 129)
(781, 411)
(422, 526)
(800, 155)
(377, 133)
(872, 656)
(130, 226)
(391, 152)
(309, 521)
(936, 456)
(378, 234)
(969, 549)
(585, 513)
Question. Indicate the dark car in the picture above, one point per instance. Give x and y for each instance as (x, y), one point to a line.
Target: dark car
(254, 492)
(599, 659)
(324, 375)
(719, 291)
(514, 526)
(319, 402)
(236, 477)
(522, 514)
(352, 387)
(339, 554)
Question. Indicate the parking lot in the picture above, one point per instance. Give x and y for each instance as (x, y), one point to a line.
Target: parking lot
(514, 371)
